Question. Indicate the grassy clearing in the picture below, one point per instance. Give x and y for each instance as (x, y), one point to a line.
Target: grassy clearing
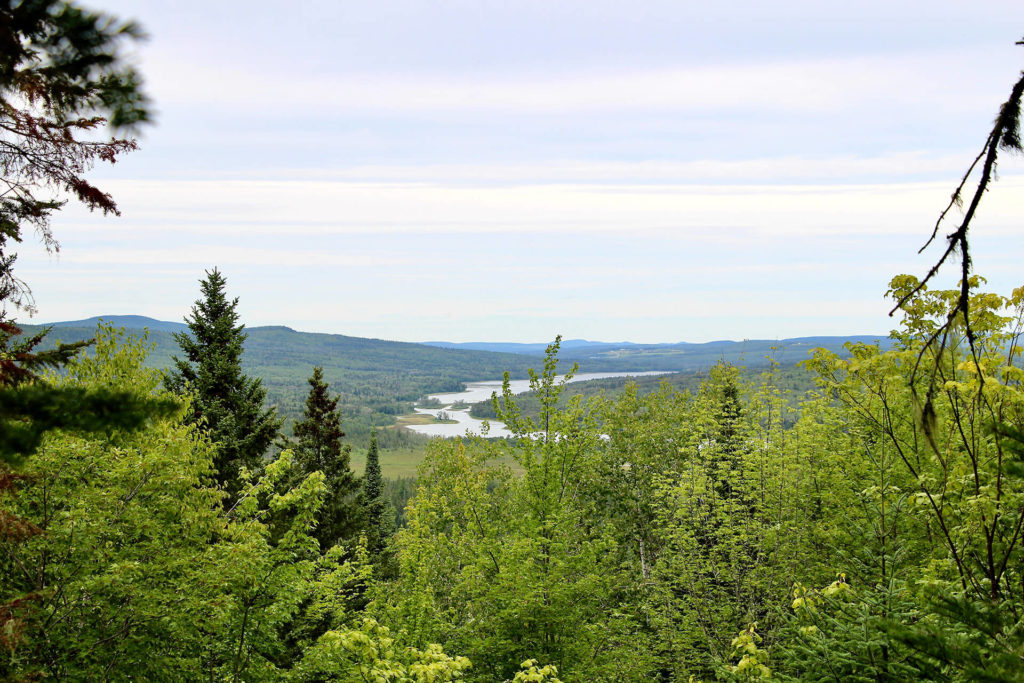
(403, 421)
(394, 462)
(397, 463)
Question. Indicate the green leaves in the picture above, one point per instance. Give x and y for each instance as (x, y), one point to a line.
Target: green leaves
(124, 563)
(370, 653)
(31, 405)
(27, 413)
(506, 567)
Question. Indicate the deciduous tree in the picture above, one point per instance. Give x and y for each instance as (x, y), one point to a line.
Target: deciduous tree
(508, 568)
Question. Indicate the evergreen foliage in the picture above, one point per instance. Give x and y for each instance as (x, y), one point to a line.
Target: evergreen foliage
(373, 483)
(376, 507)
(319, 449)
(319, 433)
(63, 74)
(227, 403)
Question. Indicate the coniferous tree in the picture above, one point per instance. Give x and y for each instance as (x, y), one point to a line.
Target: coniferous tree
(726, 467)
(227, 402)
(64, 76)
(320, 449)
(380, 522)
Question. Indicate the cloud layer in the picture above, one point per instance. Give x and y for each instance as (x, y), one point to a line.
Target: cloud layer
(509, 171)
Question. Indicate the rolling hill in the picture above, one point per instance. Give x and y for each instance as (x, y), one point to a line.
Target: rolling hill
(679, 357)
(379, 379)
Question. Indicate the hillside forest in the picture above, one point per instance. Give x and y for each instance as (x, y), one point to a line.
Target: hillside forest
(166, 525)
(378, 381)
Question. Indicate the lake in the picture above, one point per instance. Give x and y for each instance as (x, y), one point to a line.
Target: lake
(481, 391)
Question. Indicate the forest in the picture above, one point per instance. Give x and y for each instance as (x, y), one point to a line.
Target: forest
(164, 525)
(378, 380)
(716, 533)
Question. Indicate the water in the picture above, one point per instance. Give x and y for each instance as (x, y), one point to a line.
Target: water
(481, 391)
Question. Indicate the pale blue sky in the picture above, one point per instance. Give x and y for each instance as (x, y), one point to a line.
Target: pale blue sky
(649, 171)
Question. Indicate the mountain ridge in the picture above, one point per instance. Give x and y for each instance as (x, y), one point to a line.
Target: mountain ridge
(132, 321)
(574, 347)
(380, 379)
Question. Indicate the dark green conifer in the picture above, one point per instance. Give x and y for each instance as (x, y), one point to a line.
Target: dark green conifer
(319, 448)
(373, 482)
(225, 401)
(376, 506)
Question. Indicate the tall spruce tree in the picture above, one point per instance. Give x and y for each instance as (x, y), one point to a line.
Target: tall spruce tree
(227, 402)
(320, 449)
(380, 522)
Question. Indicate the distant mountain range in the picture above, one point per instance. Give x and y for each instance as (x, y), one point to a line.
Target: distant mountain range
(624, 355)
(280, 345)
(378, 379)
(529, 349)
(679, 356)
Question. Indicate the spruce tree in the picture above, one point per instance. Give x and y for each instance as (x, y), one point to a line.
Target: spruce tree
(726, 468)
(225, 401)
(376, 507)
(319, 448)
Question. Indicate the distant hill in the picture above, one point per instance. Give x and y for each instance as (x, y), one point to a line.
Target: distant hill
(537, 349)
(129, 322)
(277, 346)
(681, 356)
(379, 379)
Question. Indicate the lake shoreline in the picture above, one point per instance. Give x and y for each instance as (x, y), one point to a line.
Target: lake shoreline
(462, 422)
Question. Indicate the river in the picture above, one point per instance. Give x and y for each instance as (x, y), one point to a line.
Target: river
(481, 391)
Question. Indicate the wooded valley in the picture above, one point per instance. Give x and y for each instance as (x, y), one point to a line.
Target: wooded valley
(726, 531)
(210, 502)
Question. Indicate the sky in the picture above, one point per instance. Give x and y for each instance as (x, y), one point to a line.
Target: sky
(493, 171)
